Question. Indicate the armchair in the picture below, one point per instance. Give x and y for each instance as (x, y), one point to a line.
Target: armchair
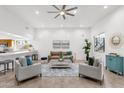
(92, 71)
(25, 72)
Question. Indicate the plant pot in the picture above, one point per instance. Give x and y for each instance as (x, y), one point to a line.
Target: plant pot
(91, 61)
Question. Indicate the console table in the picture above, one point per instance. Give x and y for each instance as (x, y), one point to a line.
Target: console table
(115, 64)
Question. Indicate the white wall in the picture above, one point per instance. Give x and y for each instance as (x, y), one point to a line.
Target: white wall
(44, 37)
(10, 22)
(112, 24)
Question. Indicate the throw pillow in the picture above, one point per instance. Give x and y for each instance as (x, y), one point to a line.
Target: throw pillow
(64, 53)
(69, 53)
(29, 60)
(23, 61)
(96, 63)
(91, 61)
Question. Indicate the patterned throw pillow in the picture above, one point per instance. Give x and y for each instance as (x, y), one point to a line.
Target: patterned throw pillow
(23, 61)
(96, 63)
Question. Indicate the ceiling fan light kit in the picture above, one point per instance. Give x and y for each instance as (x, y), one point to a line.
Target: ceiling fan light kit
(63, 11)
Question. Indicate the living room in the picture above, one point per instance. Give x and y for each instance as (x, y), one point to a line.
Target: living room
(71, 49)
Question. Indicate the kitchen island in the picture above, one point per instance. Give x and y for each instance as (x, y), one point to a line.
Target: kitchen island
(10, 57)
(16, 54)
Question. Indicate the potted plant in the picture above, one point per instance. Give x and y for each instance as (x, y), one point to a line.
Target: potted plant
(87, 48)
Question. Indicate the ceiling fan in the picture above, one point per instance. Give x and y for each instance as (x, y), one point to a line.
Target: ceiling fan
(63, 11)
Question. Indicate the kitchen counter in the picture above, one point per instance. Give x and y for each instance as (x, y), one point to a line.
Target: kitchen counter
(15, 54)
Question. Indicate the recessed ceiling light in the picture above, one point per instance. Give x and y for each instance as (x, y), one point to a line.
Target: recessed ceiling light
(37, 12)
(105, 7)
(62, 13)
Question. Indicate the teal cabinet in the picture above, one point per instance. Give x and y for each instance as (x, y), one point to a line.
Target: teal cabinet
(115, 63)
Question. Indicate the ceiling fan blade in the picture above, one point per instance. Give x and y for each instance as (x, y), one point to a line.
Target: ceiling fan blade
(71, 9)
(52, 12)
(56, 7)
(64, 17)
(56, 16)
(70, 14)
(63, 7)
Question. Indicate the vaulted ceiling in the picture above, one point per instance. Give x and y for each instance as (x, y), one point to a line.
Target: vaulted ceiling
(37, 16)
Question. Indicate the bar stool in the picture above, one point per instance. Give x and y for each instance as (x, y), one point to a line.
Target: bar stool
(4, 64)
(9, 61)
(34, 56)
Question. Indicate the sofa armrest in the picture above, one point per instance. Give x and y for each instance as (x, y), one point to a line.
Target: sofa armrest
(87, 67)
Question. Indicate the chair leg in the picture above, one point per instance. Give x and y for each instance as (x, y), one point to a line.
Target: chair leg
(12, 65)
(79, 74)
(102, 81)
(4, 69)
(40, 75)
(7, 66)
(18, 83)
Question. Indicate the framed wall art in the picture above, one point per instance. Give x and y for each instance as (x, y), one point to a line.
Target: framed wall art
(61, 44)
(99, 43)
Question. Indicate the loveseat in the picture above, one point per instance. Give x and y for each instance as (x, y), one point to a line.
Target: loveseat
(60, 55)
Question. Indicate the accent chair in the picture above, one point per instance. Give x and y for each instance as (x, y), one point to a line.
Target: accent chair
(26, 72)
(95, 71)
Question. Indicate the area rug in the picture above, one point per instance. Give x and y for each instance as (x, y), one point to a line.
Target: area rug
(72, 71)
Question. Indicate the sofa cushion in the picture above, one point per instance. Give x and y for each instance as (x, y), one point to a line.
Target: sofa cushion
(23, 61)
(29, 60)
(69, 53)
(55, 57)
(55, 53)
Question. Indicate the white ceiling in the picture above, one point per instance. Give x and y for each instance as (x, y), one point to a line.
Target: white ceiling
(86, 16)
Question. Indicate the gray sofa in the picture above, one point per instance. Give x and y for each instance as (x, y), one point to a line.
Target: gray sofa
(95, 72)
(60, 54)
